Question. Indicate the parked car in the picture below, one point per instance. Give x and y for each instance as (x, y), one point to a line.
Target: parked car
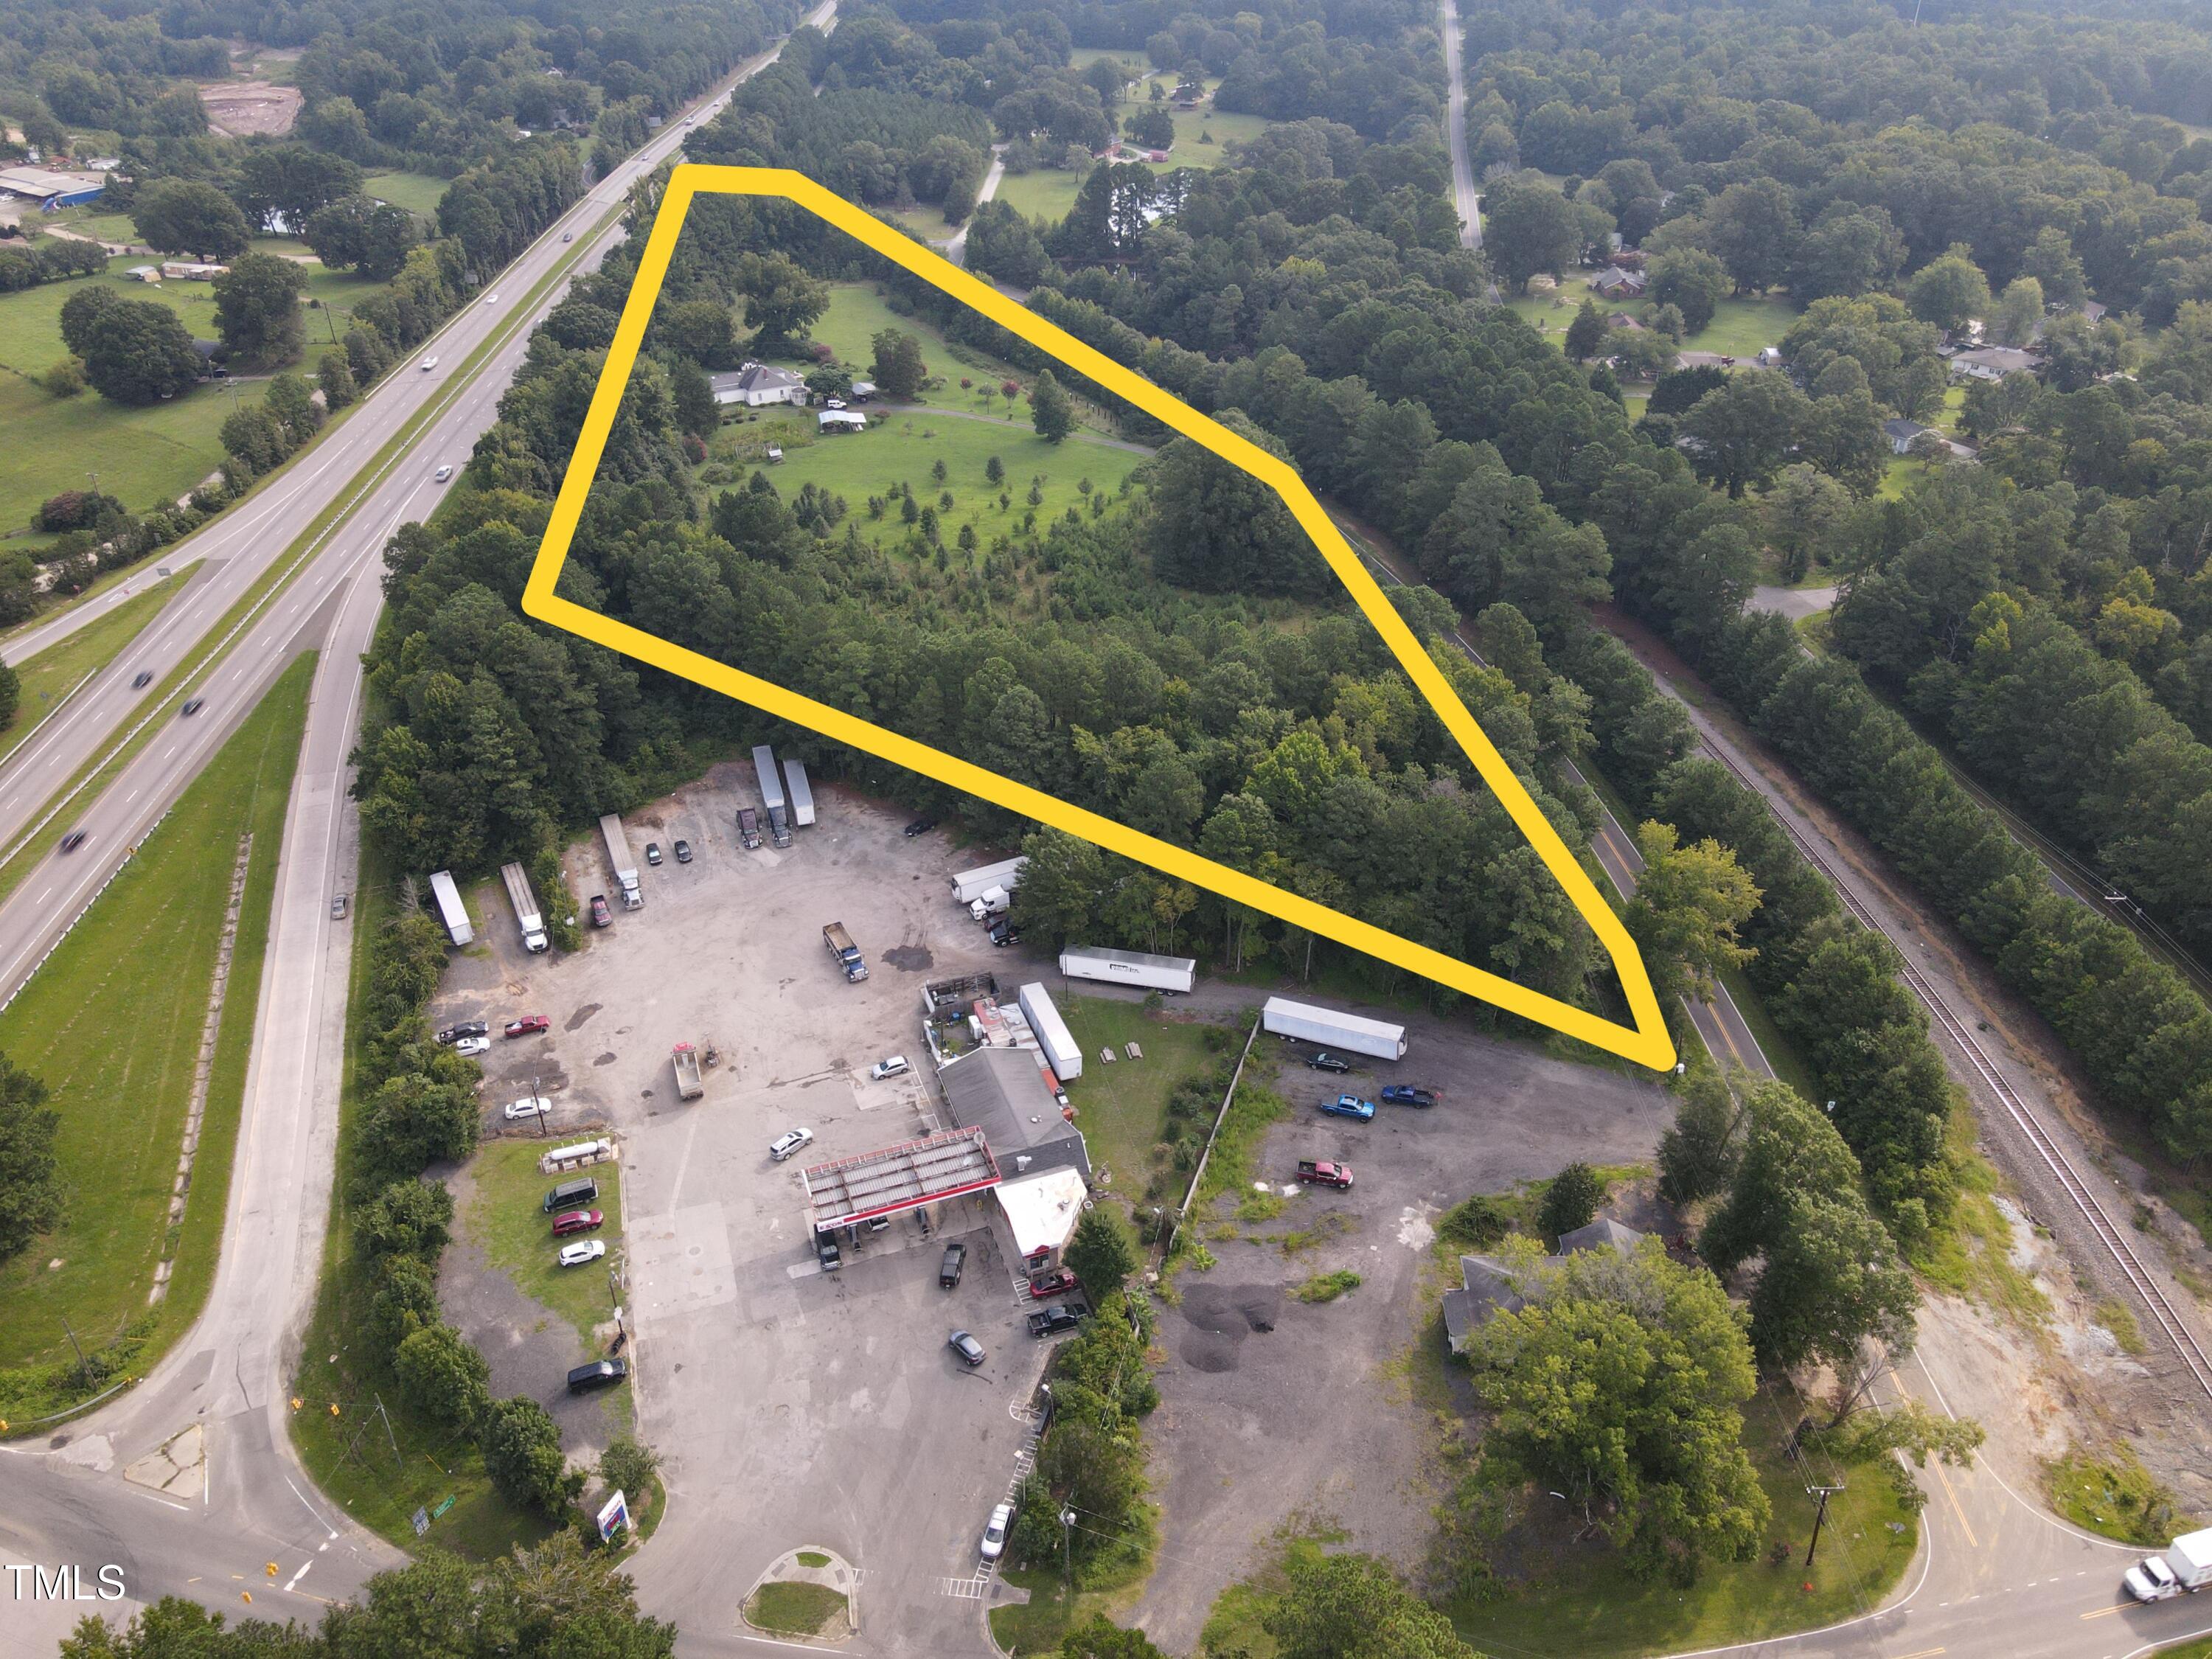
(922, 826)
(827, 1253)
(1060, 1317)
(576, 1255)
(683, 852)
(142, 679)
(1407, 1094)
(1329, 1062)
(577, 1221)
(193, 705)
(470, 1047)
(969, 1350)
(789, 1142)
(895, 1065)
(995, 1530)
(601, 916)
(528, 1025)
(599, 1374)
(337, 907)
(652, 854)
(534, 1106)
(467, 1028)
(1056, 1283)
(948, 1270)
(1350, 1106)
(72, 840)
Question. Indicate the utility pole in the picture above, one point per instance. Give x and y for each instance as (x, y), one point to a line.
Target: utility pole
(1067, 1551)
(74, 1343)
(1823, 1493)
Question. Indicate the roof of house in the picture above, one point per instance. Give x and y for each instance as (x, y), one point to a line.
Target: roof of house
(1598, 1235)
(1002, 1092)
(47, 181)
(1042, 1209)
(756, 377)
(2093, 311)
(2005, 359)
(1907, 430)
(1488, 1287)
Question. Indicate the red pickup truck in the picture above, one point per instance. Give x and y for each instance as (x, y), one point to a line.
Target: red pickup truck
(1314, 1174)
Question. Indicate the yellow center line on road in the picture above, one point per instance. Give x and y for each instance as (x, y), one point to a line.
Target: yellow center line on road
(1943, 1480)
(1926, 1653)
(2099, 1613)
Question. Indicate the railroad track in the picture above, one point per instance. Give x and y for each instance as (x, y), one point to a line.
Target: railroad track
(1961, 1033)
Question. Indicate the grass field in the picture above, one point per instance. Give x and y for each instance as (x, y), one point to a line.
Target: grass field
(48, 677)
(505, 1218)
(1739, 328)
(145, 456)
(113, 1022)
(903, 448)
(418, 192)
(1046, 194)
(794, 1609)
(856, 315)
(1121, 1108)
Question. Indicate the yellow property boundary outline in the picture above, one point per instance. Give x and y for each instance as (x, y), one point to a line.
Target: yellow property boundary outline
(1647, 1043)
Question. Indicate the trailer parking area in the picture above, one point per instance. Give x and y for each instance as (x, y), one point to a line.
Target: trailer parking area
(793, 1407)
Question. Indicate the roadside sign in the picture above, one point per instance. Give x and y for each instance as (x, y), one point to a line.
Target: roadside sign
(444, 1503)
(421, 1521)
(614, 1516)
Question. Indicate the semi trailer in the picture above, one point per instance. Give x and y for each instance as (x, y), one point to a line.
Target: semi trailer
(451, 911)
(526, 906)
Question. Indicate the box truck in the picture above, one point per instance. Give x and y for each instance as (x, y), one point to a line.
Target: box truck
(2185, 1568)
(1051, 1032)
(526, 906)
(618, 855)
(451, 911)
(971, 884)
(1337, 1031)
(802, 794)
(771, 788)
(1175, 975)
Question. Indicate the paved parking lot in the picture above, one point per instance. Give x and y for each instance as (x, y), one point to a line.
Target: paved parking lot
(1271, 1407)
(793, 1407)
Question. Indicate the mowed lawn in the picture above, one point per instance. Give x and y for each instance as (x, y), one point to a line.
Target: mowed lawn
(1739, 328)
(1121, 1108)
(1047, 194)
(112, 1023)
(856, 315)
(506, 1217)
(418, 192)
(902, 447)
(48, 677)
(148, 456)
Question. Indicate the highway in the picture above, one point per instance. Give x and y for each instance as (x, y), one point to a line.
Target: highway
(243, 1503)
(1465, 196)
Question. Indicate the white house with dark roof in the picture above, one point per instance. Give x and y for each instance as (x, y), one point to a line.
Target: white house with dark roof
(757, 385)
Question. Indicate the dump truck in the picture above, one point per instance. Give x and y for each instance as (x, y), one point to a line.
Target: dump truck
(971, 884)
(526, 906)
(451, 910)
(802, 794)
(1338, 1031)
(687, 1085)
(847, 953)
(771, 788)
(618, 855)
(1174, 975)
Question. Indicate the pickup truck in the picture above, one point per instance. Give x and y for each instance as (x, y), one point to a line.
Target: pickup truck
(1064, 1316)
(1407, 1094)
(1317, 1173)
(1350, 1106)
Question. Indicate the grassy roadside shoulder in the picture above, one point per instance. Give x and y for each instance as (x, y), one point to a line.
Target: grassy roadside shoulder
(122, 1085)
(295, 559)
(50, 677)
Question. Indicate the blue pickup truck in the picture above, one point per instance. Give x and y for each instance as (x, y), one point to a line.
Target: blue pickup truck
(1407, 1094)
(1350, 1106)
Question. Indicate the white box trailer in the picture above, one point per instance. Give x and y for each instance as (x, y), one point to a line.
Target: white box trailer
(1175, 975)
(525, 902)
(771, 788)
(1051, 1032)
(802, 794)
(971, 884)
(1333, 1029)
(451, 911)
(618, 855)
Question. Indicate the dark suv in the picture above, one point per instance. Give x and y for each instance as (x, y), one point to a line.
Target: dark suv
(948, 1271)
(599, 1374)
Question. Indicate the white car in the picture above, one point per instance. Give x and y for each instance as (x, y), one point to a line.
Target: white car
(576, 1255)
(491, 299)
(536, 1106)
(472, 1045)
(995, 1532)
(442, 474)
(895, 1067)
(789, 1142)
(430, 363)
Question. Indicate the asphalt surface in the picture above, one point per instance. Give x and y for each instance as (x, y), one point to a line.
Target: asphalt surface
(245, 1505)
(1465, 196)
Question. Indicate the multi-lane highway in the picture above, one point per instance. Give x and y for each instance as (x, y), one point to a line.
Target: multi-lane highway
(218, 1401)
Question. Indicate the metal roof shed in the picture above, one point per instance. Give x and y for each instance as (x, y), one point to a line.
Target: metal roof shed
(902, 1177)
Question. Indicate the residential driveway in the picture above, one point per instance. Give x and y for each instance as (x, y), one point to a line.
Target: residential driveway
(1272, 1409)
(1795, 602)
